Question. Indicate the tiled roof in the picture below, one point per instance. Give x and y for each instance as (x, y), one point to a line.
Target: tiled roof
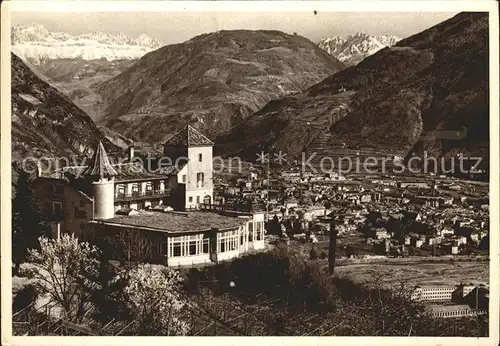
(100, 167)
(189, 137)
(134, 171)
(124, 172)
(171, 170)
(66, 172)
(176, 223)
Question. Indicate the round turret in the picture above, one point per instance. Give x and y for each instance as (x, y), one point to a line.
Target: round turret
(104, 198)
(101, 174)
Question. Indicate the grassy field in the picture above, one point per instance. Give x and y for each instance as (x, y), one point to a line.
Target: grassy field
(413, 270)
(419, 272)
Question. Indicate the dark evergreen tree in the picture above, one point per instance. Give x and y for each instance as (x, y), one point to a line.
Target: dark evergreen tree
(273, 226)
(332, 248)
(27, 223)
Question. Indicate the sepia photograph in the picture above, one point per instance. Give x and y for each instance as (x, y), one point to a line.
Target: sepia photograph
(250, 169)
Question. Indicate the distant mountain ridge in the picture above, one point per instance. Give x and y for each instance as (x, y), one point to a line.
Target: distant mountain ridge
(436, 80)
(34, 43)
(354, 48)
(73, 63)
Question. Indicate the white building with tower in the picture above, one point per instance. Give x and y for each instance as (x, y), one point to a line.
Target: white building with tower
(169, 211)
(192, 152)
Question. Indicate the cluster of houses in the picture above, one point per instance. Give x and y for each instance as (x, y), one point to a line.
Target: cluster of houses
(429, 217)
(448, 233)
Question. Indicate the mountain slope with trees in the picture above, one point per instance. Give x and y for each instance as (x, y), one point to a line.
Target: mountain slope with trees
(45, 122)
(213, 81)
(391, 102)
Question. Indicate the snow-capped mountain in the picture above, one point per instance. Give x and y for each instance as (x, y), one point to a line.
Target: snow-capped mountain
(354, 48)
(332, 45)
(34, 43)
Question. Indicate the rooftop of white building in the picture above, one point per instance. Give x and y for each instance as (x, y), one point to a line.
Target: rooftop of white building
(188, 136)
(448, 307)
(176, 222)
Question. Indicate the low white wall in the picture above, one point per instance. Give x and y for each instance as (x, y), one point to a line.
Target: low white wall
(188, 260)
(224, 256)
(259, 245)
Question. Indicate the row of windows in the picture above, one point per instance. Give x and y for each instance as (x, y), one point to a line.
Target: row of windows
(436, 289)
(188, 245)
(436, 295)
(454, 313)
(432, 298)
(440, 297)
(227, 241)
(256, 235)
(256, 230)
(433, 294)
(136, 187)
(206, 199)
(193, 245)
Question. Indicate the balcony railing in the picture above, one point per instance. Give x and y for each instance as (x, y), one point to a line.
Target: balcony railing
(141, 195)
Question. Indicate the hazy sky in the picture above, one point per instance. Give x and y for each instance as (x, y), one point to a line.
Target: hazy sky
(175, 27)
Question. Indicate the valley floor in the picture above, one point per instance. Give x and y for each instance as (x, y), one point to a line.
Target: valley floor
(420, 271)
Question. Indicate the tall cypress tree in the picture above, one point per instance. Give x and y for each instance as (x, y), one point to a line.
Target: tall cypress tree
(332, 247)
(26, 219)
